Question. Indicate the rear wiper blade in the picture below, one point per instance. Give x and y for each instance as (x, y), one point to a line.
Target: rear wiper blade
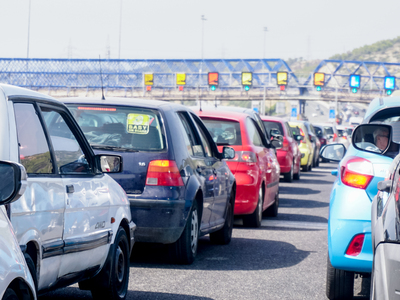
(105, 147)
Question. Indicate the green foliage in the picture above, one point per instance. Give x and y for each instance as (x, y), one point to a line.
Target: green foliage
(360, 53)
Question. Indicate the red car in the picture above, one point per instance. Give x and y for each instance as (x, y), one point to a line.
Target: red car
(289, 156)
(255, 167)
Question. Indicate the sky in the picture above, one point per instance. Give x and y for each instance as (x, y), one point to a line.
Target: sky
(173, 29)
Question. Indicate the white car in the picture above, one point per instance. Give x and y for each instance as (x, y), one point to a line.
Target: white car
(74, 221)
(15, 279)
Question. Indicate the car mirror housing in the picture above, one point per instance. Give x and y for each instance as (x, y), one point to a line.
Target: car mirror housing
(276, 143)
(375, 138)
(109, 163)
(333, 152)
(228, 153)
(384, 186)
(12, 181)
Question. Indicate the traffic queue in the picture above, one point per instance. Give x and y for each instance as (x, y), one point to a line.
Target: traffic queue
(103, 174)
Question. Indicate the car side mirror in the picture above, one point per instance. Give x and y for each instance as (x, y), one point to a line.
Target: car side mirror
(276, 143)
(228, 153)
(109, 163)
(373, 138)
(333, 152)
(298, 137)
(12, 181)
(384, 186)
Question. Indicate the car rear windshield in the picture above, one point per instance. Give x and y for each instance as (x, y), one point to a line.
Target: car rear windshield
(318, 131)
(328, 130)
(273, 128)
(224, 132)
(126, 128)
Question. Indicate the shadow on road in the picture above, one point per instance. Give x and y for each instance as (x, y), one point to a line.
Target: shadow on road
(297, 218)
(290, 190)
(301, 203)
(248, 254)
(76, 293)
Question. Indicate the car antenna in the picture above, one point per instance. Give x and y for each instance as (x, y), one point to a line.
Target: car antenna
(101, 78)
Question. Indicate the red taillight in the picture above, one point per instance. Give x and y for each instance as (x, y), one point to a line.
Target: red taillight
(285, 144)
(357, 172)
(323, 141)
(163, 173)
(334, 137)
(245, 156)
(356, 244)
(303, 135)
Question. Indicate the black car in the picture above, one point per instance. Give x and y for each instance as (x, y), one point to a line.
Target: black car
(178, 184)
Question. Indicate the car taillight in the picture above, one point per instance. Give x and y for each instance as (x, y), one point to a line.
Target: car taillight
(285, 144)
(163, 173)
(303, 135)
(334, 137)
(357, 172)
(356, 244)
(323, 141)
(245, 156)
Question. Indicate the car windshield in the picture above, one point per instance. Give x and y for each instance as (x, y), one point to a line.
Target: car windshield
(273, 128)
(224, 132)
(126, 128)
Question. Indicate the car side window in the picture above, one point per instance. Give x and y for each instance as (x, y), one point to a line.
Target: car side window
(290, 133)
(203, 137)
(69, 155)
(252, 131)
(34, 151)
(195, 148)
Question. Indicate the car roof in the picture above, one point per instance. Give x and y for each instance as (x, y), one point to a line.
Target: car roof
(156, 104)
(380, 103)
(15, 91)
(228, 115)
(276, 119)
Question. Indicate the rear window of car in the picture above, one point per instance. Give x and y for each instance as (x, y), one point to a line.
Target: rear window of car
(273, 127)
(224, 132)
(127, 128)
(328, 130)
(318, 131)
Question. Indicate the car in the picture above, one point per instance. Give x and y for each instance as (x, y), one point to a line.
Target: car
(178, 183)
(315, 142)
(343, 137)
(305, 145)
(255, 167)
(73, 222)
(321, 134)
(16, 280)
(360, 169)
(384, 233)
(289, 156)
(355, 120)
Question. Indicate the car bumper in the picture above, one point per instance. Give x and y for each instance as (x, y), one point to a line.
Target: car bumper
(246, 199)
(349, 215)
(158, 220)
(305, 158)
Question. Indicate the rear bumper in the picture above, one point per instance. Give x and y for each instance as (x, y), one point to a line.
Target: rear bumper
(246, 199)
(159, 219)
(285, 161)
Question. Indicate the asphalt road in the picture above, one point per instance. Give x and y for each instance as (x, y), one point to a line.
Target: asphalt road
(284, 259)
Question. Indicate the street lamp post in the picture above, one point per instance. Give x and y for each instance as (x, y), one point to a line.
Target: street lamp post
(202, 35)
(120, 27)
(29, 28)
(265, 34)
(202, 57)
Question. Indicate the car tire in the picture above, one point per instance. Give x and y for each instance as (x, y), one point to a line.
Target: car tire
(119, 271)
(339, 283)
(254, 220)
(297, 175)
(223, 236)
(317, 161)
(184, 250)
(10, 295)
(32, 269)
(288, 177)
(272, 211)
(304, 168)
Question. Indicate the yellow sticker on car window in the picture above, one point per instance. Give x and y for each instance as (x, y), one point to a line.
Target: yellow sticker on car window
(138, 124)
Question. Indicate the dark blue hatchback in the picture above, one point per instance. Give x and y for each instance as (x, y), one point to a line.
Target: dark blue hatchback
(178, 184)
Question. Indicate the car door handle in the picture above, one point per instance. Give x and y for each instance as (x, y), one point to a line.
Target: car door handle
(70, 189)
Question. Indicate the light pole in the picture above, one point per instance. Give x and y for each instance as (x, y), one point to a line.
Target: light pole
(202, 35)
(29, 28)
(120, 27)
(265, 34)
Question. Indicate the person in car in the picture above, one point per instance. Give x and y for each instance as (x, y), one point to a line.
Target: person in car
(381, 138)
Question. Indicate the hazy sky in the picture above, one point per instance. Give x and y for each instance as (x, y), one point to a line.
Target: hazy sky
(172, 29)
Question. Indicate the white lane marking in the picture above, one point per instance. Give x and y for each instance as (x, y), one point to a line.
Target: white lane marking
(294, 224)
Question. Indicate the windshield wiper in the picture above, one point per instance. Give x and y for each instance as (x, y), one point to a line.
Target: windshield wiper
(105, 147)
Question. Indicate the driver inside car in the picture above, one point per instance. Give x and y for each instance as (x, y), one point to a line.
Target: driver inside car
(381, 138)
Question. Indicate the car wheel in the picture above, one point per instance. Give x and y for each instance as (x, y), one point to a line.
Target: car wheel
(184, 250)
(119, 271)
(223, 236)
(317, 161)
(297, 175)
(289, 176)
(32, 269)
(272, 211)
(304, 168)
(10, 295)
(254, 220)
(339, 283)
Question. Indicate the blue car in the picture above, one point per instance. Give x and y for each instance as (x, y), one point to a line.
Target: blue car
(178, 184)
(349, 224)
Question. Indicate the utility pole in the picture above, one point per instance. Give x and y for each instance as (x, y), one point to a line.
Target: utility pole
(265, 35)
(120, 27)
(29, 28)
